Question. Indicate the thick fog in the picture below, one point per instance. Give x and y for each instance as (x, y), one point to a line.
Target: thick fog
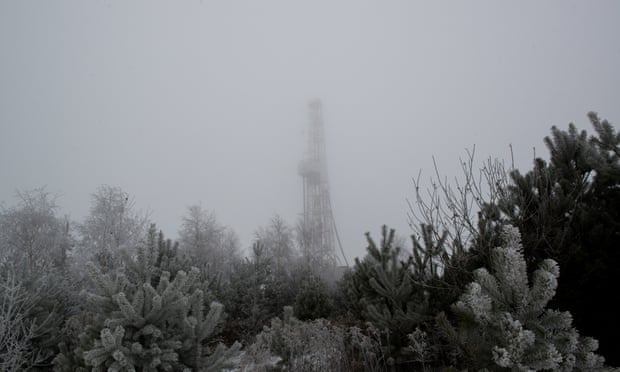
(185, 102)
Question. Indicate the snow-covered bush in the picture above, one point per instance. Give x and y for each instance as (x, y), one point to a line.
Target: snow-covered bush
(292, 345)
(148, 320)
(365, 351)
(503, 320)
(16, 330)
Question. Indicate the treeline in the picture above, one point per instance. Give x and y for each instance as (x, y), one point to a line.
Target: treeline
(478, 287)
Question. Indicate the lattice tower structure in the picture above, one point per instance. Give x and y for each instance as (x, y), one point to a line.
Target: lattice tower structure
(318, 227)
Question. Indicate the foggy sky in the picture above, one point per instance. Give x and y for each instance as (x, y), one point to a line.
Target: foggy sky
(181, 102)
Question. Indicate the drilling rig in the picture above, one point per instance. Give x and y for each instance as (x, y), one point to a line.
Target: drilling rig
(318, 228)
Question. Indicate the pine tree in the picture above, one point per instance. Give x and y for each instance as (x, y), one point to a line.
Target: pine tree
(504, 322)
(136, 333)
(312, 301)
(568, 209)
(256, 292)
(384, 286)
(169, 257)
(198, 330)
(139, 325)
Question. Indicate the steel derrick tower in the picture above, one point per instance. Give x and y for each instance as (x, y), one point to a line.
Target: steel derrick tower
(319, 233)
